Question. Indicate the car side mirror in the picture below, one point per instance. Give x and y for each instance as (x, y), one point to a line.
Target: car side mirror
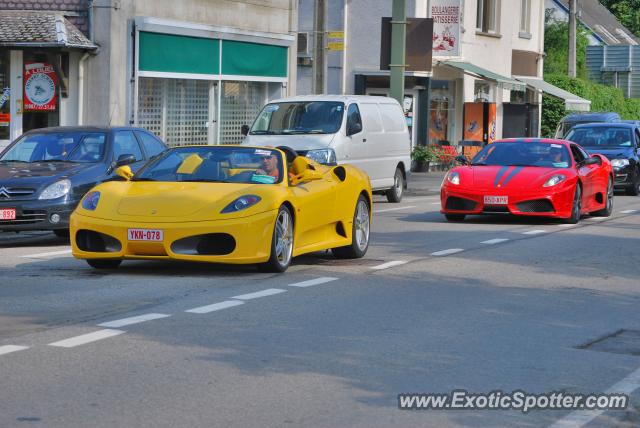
(303, 170)
(125, 159)
(244, 130)
(353, 128)
(462, 160)
(594, 160)
(124, 172)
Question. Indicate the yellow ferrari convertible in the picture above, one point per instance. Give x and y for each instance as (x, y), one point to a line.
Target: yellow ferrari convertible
(225, 204)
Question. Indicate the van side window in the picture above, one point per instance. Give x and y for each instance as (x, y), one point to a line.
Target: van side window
(371, 117)
(354, 121)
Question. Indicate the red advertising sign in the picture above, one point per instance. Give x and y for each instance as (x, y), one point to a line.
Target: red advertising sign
(40, 87)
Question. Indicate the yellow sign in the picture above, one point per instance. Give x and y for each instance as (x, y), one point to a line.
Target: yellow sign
(335, 46)
(336, 34)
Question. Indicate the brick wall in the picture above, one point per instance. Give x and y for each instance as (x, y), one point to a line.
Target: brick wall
(77, 8)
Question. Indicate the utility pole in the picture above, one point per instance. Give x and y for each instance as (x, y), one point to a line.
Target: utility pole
(398, 48)
(573, 9)
(319, 54)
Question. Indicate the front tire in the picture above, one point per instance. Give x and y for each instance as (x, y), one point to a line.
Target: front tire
(634, 190)
(455, 217)
(394, 195)
(576, 208)
(360, 232)
(608, 208)
(104, 263)
(281, 243)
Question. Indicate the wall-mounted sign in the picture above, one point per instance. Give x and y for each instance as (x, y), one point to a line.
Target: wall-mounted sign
(418, 53)
(40, 87)
(335, 46)
(446, 27)
(336, 34)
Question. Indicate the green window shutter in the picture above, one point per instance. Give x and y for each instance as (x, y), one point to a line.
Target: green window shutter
(253, 59)
(178, 54)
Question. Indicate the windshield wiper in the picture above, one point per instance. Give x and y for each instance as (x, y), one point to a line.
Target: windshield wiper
(262, 132)
(303, 131)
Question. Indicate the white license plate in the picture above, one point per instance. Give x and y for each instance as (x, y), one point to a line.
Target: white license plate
(8, 214)
(154, 235)
(496, 200)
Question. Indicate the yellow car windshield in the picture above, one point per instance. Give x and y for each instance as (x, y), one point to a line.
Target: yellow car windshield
(218, 164)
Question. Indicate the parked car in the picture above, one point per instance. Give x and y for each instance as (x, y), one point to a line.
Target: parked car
(530, 177)
(570, 120)
(225, 204)
(365, 131)
(620, 142)
(46, 172)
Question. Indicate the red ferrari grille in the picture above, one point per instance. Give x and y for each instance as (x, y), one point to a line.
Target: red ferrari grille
(460, 204)
(536, 206)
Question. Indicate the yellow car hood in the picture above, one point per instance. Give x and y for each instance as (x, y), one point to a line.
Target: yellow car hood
(172, 201)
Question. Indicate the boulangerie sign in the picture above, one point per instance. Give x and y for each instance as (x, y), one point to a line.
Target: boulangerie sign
(446, 27)
(40, 87)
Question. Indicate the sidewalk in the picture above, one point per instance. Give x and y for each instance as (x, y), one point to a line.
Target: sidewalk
(424, 183)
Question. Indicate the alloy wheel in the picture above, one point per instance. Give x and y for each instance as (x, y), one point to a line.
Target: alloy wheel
(284, 238)
(362, 225)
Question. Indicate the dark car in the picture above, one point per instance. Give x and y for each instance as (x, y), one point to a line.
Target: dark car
(45, 172)
(620, 142)
(573, 119)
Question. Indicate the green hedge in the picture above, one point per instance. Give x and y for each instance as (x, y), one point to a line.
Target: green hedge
(603, 98)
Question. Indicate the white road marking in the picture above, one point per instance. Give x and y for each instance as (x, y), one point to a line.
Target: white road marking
(494, 241)
(447, 252)
(567, 225)
(388, 265)
(596, 218)
(133, 320)
(628, 212)
(312, 282)
(420, 199)
(436, 203)
(49, 254)
(580, 418)
(215, 307)
(534, 232)
(258, 294)
(394, 209)
(86, 338)
(7, 349)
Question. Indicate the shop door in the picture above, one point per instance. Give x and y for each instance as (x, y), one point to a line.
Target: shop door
(520, 120)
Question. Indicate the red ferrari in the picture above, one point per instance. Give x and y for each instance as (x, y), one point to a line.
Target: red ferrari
(529, 177)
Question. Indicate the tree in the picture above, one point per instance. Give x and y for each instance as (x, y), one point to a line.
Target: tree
(556, 42)
(627, 12)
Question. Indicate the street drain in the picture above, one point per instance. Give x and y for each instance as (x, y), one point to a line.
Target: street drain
(620, 342)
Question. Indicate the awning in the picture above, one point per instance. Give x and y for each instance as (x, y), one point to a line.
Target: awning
(571, 101)
(471, 69)
(20, 28)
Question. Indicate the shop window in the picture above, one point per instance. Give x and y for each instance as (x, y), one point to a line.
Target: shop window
(5, 96)
(240, 105)
(488, 16)
(482, 92)
(41, 91)
(442, 112)
(177, 110)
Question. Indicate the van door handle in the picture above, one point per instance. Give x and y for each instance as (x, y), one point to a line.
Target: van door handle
(364, 140)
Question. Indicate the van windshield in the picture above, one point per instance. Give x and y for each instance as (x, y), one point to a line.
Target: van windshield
(301, 117)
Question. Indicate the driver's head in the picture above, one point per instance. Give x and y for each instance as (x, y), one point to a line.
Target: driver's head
(269, 163)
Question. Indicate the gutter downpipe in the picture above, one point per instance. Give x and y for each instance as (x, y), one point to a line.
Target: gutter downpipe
(81, 65)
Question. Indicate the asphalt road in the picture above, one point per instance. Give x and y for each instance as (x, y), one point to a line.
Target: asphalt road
(489, 304)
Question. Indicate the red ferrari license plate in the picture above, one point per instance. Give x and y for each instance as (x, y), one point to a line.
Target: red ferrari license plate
(496, 200)
(8, 214)
(154, 235)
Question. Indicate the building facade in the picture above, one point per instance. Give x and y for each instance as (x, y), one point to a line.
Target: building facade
(486, 76)
(193, 71)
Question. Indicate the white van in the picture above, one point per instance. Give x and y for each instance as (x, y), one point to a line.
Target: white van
(368, 132)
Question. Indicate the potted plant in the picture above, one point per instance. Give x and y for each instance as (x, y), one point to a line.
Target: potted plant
(420, 157)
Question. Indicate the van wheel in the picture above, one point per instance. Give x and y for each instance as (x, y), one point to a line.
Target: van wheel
(394, 194)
